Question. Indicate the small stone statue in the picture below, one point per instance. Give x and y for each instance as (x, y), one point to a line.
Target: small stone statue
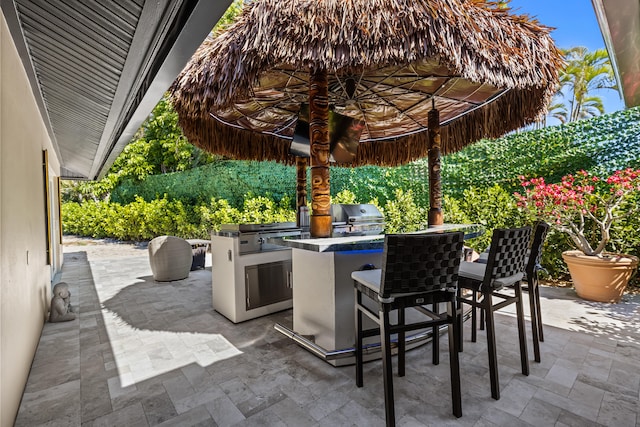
(61, 309)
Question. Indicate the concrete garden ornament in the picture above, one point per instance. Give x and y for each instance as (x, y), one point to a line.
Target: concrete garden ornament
(585, 206)
(61, 309)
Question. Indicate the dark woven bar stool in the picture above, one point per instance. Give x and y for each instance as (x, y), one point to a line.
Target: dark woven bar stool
(419, 270)
(505, 267)
(532, 268)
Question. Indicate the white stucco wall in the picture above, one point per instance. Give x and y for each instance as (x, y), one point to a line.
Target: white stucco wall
(25, 276)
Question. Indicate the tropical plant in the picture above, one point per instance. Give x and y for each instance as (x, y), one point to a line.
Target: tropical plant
(161, 147)
(344, 196)
(558, 110)
(402, 215)
(583, 205)
(585, 73)
(229, 16)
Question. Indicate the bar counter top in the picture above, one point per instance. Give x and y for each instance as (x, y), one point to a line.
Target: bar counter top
(363, 243)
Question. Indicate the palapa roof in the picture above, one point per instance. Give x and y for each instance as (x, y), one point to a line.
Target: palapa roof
(488, 72)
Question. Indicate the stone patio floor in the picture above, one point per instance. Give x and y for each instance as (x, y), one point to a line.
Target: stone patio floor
(144, 353)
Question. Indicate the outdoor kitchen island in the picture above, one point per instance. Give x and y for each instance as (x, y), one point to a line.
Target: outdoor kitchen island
(323, 297)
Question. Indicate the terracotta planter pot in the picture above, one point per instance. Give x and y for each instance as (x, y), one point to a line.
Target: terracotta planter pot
(600, 278)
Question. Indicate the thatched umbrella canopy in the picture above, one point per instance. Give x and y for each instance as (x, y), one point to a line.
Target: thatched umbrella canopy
(385, 63)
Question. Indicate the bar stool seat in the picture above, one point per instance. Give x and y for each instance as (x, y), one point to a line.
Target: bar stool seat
(476, 271)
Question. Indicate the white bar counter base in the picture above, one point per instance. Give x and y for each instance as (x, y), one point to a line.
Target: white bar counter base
(323, 295)
(229, 279)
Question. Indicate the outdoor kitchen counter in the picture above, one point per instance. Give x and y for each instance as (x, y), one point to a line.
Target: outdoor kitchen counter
(323, 298)
(363, 243)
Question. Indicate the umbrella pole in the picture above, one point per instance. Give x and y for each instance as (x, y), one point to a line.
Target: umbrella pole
(435, 189)
(319, 137)
(301, 188)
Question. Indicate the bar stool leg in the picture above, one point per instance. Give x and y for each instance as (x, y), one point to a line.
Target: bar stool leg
(534, 320)
(524, 356)
(359, 361)
(385, 326)
(401, 343)
(474, 324)
(491, 345)
(459, 316)
(435, 339)
(454, 360)
(538, 310)
(482, 320)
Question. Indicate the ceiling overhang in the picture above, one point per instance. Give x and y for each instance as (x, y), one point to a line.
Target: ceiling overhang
(97, 69)
(620, 25)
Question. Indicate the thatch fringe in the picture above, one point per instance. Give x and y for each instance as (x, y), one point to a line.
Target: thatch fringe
(215, 137)
(490, 121)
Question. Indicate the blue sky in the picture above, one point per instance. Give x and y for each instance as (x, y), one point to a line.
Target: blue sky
(575, 25)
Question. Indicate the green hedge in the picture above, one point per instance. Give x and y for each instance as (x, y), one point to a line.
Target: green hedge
(601, 145)
(233, 180)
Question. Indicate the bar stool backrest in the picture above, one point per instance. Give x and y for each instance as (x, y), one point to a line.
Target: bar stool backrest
(416, 263)
(507, 255)
(540, 233)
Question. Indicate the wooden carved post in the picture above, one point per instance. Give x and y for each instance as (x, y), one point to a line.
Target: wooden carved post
(319, 136)
(435, 189)
(301, 186)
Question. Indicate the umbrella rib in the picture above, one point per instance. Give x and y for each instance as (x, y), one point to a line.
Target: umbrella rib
(369, 89)
(404, 112)
(291, 74)
(418, 77)
(237, 126)
(436, 93)
(466, 99)
(400, 111)
(446, 122)
(253, 116)
(374, 84)
(344, 90)
(366, 123)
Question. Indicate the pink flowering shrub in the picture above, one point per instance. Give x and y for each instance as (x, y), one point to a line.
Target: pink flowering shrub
(580, 202)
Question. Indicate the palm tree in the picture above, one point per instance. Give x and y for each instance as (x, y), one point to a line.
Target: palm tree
(557, 110)
(584, 73)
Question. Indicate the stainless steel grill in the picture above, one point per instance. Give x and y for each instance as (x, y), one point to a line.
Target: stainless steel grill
(356, 220)
(254, 237)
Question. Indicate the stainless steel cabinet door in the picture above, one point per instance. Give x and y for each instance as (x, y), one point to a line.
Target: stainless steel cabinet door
(268, 283)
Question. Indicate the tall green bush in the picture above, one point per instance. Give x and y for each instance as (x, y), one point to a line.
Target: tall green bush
(141, 220)
(402, 214)
(492, 207)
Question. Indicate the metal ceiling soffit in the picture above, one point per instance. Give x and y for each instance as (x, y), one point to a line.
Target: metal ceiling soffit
(97, 69)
